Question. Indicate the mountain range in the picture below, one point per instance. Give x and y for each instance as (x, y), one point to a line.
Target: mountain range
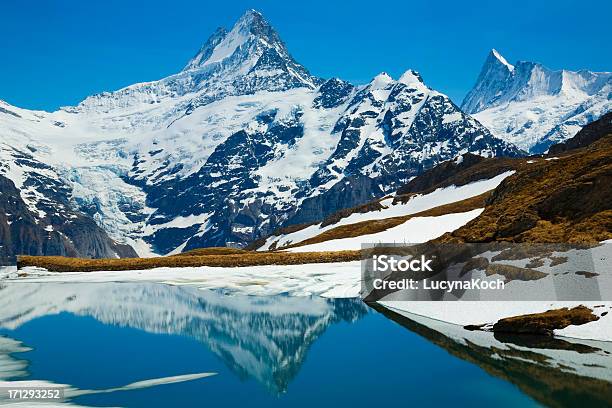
(534, 107)
(245, 140)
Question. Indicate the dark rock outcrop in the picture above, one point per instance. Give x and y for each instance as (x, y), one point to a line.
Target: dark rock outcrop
(352, 191)
(545, 323)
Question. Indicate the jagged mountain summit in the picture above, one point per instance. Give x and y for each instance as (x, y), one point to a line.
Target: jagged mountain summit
(249, 58)
(492, 81)
(533, 106)
(241, 141)
(254, 53)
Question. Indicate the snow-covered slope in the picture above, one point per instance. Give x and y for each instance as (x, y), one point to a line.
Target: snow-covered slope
(241, 141)
(416, 230)
(534, 107)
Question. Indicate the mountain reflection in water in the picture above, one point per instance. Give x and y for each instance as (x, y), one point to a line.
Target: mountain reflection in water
(555, 372)
(265, 338)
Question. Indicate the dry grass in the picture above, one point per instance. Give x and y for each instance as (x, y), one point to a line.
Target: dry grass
(373, 226)
(473, 264)
(448, 173)
(564, 200)
(246, 258)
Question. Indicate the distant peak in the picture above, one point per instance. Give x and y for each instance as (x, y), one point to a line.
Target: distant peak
(500, 83)
(496, 56)
(251, 15)
(381, 80)
(494, 79)
(253, 22)
(411, 77)
(207, 49)
(222, 44)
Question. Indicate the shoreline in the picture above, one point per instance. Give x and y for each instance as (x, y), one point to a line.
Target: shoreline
(326, 280)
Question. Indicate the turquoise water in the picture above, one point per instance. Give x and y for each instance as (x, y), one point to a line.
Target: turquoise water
(266, 352)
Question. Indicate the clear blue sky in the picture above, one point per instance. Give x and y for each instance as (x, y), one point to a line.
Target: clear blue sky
(56, 52)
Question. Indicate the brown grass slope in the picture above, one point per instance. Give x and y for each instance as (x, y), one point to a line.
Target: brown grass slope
(568, 199)
(63, 264)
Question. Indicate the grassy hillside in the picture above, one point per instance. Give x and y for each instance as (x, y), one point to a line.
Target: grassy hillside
(564, 199)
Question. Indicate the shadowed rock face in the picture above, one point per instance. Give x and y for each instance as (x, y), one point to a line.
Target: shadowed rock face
(353, 191)
(532, 363)
(60, 231)
(463, 170)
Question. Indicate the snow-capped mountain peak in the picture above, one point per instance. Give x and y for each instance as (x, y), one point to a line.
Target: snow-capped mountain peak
(249, 58)
(249, 29)
(411, 78)
(495, 54)
(490, 85)
(533, 106)
(251, 48)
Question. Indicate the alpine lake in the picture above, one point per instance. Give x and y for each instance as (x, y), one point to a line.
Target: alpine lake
(155, 345)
